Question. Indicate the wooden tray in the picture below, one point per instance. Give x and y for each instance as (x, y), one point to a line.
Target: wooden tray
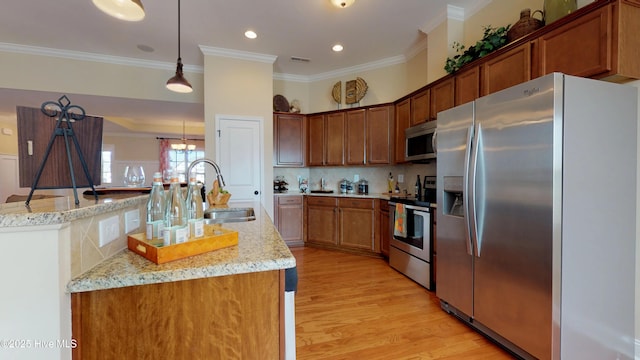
(215, 237)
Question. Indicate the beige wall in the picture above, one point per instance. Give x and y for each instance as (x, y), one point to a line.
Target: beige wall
(8, 143)
(241, 87)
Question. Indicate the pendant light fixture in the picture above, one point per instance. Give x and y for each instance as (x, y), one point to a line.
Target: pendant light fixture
(129, 10)
(183, 145)
(178, 83)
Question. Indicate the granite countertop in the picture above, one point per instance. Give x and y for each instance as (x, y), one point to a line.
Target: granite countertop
(260, 248)
(59, 210)
(383, 196)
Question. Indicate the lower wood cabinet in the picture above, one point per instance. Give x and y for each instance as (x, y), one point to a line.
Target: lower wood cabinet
(322, 220)
(343, 223)
(226, 317)
(358, 224)
(289, 218)
(385, 228)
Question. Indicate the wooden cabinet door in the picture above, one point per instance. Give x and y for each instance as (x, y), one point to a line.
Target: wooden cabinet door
(403, 121)
(506, 70)
(385, 228)
(334, 141)
(581, 47)
(288, 140)
(467, 86)
(289, 218)
(358, 224)
(35, 126)
(379, 135)
(442, 97)
(316, 137)
(322, 224)
(355, 137)
(420, 107)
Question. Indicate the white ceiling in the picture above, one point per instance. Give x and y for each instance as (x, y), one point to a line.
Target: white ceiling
(369, 30)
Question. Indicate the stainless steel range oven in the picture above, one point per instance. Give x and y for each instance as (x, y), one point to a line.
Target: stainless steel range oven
(410, 250)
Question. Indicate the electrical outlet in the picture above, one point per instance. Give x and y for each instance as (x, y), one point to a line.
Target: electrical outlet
(131, 220)
(109, 230)
(401, 178)
(356, 178)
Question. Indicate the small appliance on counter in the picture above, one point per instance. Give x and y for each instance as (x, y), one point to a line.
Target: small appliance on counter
(363, 187)
(280, 185)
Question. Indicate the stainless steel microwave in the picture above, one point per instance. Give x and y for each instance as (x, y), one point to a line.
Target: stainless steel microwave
(420, 142)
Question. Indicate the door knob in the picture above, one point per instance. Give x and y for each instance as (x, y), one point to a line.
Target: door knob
(256, 192)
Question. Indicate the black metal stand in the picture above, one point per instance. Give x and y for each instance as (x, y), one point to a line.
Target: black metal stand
(62, 107)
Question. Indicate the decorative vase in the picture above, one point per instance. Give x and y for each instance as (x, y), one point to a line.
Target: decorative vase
(525, 25)
(555, 9)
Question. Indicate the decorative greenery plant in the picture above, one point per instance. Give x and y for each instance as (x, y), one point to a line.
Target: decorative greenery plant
(492, 39)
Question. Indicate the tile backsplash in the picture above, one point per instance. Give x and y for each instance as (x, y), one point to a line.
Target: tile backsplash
(375, 175)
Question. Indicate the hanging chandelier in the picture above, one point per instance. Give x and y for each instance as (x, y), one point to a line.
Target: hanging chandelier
(183, 144)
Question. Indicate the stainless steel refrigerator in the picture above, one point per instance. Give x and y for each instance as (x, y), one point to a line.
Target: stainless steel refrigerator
(536, 217)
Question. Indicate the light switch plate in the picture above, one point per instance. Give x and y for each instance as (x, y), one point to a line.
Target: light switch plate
(131, 220)
(401, 178)
(109, 230)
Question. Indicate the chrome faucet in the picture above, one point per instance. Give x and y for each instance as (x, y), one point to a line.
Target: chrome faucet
(210, 162)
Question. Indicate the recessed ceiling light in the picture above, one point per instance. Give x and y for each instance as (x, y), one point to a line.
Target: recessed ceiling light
(250, 34)
(342, 3)
(337, 48)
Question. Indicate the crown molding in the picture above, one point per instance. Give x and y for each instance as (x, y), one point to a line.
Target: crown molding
(84, 56)
(394, 60)
(237, 54)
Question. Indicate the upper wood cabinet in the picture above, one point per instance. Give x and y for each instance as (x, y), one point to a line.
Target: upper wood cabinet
(403, 121)
(600, 44)
(442, 97)
(467, 85)
(326, 139)
(420, 107)
(507, 69)
(380, 139)
(316, 136)
(356, 137)
(289, 134)
(334, 138)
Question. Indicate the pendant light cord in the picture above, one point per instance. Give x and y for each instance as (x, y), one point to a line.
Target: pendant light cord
(179, 57)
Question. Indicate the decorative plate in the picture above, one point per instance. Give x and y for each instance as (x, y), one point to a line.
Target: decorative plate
(280, 103)
(336, 92)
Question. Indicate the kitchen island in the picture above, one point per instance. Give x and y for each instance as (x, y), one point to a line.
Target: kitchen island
(228, 302)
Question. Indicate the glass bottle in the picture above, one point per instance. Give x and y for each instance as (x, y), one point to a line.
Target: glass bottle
(155, 211)
(555, 9)
(195, 211)
(418, 189)
(176, 230)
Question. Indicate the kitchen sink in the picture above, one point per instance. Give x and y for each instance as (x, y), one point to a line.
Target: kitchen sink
(225, 215)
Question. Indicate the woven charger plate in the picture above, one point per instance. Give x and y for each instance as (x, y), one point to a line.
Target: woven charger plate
(280, 103)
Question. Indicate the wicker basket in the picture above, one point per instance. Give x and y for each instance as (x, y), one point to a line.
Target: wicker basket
(526, 25)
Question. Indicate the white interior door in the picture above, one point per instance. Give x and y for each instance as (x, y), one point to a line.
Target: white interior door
(238, 153)
(8, 176)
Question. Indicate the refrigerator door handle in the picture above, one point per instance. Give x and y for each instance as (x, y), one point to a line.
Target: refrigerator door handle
(476, 241)
(465, 192)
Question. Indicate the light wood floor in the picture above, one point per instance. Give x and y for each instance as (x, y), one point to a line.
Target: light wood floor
(357, 307)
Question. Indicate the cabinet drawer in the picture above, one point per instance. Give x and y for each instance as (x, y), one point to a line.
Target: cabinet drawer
(321, 201)
(290, 200)
(357, 203)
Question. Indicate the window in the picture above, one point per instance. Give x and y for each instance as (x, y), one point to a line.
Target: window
(179, 161)
(107, 161)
